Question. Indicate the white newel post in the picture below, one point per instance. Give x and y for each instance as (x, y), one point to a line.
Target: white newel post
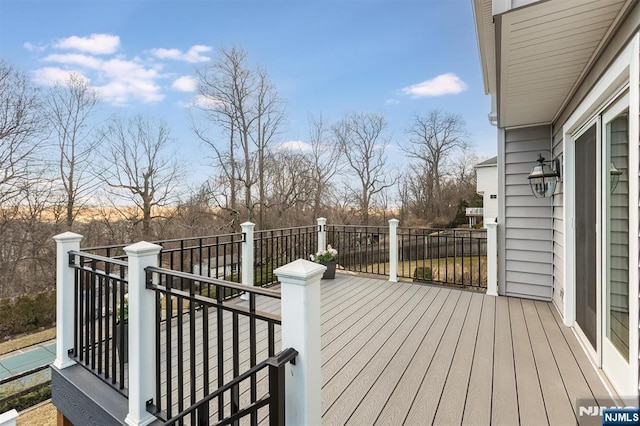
(247, 257)
(322, 234)
(492, 257)
(9, 418)
(142, 343)
(393, 250)
(65, 243)
(300, 313)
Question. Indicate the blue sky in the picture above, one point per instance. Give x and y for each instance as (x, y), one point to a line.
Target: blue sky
(394, 57)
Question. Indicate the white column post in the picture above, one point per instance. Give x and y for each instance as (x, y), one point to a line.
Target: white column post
(142, 336)
(393, 250)
(492, 257)
(65, 243)
(9, 418)
(247, 257)
(322, 234)
(300, 313)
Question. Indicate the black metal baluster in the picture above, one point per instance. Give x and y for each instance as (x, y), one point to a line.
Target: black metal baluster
(235, 390)
(252, 353)
(192, 341)
(220, 325)
(180, 349)
(168, 357)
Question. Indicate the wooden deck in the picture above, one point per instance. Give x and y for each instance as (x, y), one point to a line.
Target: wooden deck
(398, 353)
(403, 353)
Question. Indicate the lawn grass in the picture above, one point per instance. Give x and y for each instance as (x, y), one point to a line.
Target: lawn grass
(44, 414)
(28, 340)
(468, 270)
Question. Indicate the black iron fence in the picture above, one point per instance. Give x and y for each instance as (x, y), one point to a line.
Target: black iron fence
(361, 248)
(274, 400)
(220, 256)
(100, 314)
(277, 247)
(204, 345)
(215, 256)
(442, 256)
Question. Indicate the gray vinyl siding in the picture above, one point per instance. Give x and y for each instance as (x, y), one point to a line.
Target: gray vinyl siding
(619, 238)
(528, 223)
(558, 235)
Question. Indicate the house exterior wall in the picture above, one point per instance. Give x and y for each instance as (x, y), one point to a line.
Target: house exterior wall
(558, 234)
(528, 238)
(627, 30)
(487, 185)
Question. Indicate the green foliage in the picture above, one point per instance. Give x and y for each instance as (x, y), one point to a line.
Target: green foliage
(422, 274)
(22, 401)
(27, 313)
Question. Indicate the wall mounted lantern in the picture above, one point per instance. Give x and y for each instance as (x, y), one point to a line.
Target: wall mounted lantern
(615, 176)
(544, 178)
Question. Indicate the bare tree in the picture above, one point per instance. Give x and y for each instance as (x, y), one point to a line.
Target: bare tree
(268, 118)
(70, 107)
(325, 161)
(434, 139)
(244, 104)
(363, 144)
(289, 188)
(140, 168)
(21, 130)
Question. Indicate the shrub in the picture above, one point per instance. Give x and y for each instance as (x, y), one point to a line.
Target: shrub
(27, 313)
(423, 274)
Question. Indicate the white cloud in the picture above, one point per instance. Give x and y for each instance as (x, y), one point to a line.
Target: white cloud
(444, 84)
(185, 84)
(49, 76)
(294, 146)
(391, 102)
(202, 102)
(129, 79)
(193, 55)
(97, 44)
(75, 59)
(118, 80)
(32, 47)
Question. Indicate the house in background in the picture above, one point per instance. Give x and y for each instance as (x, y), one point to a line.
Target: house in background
(564, 77)
(487, 186)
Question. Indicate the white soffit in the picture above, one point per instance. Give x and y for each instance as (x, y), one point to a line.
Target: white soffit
(483, 10)
(544, 49)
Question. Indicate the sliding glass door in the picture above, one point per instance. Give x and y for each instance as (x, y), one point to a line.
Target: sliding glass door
(615, 253)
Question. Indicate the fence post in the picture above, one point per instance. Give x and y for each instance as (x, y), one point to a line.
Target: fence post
(322, 234)
(9, 418)
(65, 310)
(300, 313)
(492, 257)
(247, 257)
(393, 250)
(142, 334)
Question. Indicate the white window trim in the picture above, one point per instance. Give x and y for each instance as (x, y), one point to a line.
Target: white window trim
(622, 73)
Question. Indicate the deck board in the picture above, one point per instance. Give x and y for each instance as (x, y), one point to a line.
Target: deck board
(504, 405)
(425, 403)
(479, 391)
(529, 408)
(395, 353)
(343, 407)
(397, 407)
(559, 408)
(452, 401)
